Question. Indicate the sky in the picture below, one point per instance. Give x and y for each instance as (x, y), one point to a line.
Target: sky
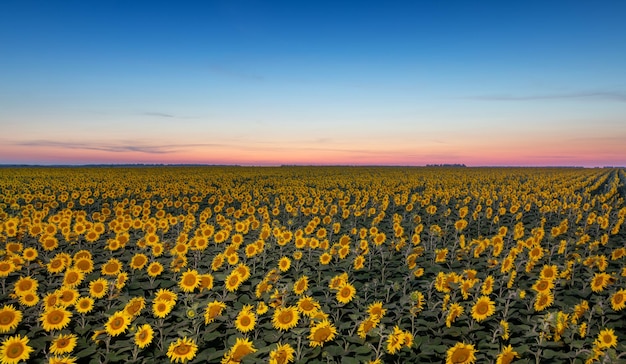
(481, 83)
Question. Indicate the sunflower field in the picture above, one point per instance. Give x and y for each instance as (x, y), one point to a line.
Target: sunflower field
(312, 265)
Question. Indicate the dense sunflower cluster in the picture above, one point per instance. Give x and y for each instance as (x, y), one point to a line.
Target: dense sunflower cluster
(312, 264)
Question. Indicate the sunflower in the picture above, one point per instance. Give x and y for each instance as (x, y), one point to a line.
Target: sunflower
(84, 305)
(440, 255)
(25, 284)
(112, 267)
(321, 333)
(251, 250)
(543, 285)
(461, 353)
(29, 299)
(454, 311)
(65, 359)
(183, 349)
(9, 318)
(543, 301)
(600, 281)
(84, 265)
(139, 261)
(189, 280)
(243, 270)
(301, 285)
(376, 310)
(606, 339)
(325, 258)
(233, 281)
(507, 355)
(549, 272)
(246, 319)
(63, 344)
(359, 262)
(507, 264)
(346, 293)
(165, 295)
(6, 267)
(283, 354)
(49, 243)
(535, 253)
(483, 308)
(366, 326)
(120, 280)
(134, 306)
(50, 300)
(218, 262)
(395, 340)
(55, 318)
(117, 323)
(206, 282)
(213, 309)
(67, 296)
(285, 318)
(154, 269)
(15, 349)
(144, 335)
(162, 308)
(157, 250)
(618, 300)
(284, 264)
(98, 288)
(30, 254)
(261, 308)
(487, 286)
(241, 348)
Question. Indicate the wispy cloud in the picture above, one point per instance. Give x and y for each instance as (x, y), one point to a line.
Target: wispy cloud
(599, 95)
(161, 114)
(114, 147)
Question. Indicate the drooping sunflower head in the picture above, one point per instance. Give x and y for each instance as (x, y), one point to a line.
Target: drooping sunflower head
(213, 310)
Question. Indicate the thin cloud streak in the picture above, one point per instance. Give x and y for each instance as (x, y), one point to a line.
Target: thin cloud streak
(161, 114)
(116, 148)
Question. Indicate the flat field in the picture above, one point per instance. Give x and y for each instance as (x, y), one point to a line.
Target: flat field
(312, 265)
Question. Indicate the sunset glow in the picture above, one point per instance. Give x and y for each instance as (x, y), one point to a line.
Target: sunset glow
(315, 83)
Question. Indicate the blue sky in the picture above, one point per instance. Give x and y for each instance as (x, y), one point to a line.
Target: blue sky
(252, 82)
